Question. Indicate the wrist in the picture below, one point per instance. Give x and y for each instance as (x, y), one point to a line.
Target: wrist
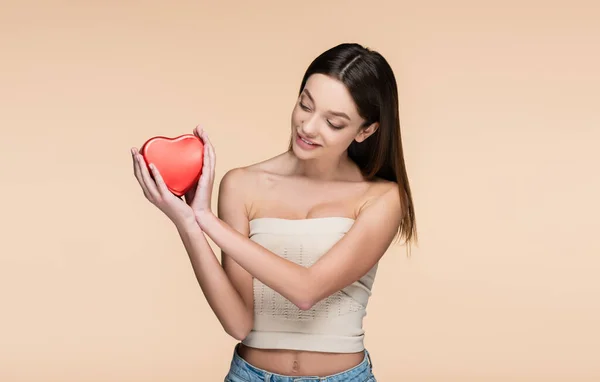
(186, 224)
(203, 218)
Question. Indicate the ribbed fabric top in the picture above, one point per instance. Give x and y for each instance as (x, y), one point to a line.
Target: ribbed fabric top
(334, 324)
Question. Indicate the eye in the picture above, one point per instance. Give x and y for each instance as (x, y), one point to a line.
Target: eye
(304, 107)
(334, 126)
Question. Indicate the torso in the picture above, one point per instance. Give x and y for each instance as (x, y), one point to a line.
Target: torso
(277, 193)
(300, 363)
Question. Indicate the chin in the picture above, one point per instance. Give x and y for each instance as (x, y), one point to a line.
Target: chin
(304, 152)
(301, 154)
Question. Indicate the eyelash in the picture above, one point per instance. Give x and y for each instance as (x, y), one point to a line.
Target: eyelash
(305, 108)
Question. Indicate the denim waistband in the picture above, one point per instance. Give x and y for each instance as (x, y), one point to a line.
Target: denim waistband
(240, 370)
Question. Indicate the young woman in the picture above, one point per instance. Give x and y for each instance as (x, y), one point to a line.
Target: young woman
(302, 233)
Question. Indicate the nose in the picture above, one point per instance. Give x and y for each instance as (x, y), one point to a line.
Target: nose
(309, 127)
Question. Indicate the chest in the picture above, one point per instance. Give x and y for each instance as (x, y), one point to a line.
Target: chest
(306, 199)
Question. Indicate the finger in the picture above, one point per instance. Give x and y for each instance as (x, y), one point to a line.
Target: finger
(210, 150)
(147, 179)
(133, 159)
(138, 173)
(198, 131)
(160, 183)
(213, 156)
(208, 162)
(206, 142)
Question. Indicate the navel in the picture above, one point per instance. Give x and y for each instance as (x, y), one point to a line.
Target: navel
(295, 366)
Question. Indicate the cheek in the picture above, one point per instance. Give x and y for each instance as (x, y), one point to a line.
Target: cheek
(342, 139)
(296, 116)
(333, 138)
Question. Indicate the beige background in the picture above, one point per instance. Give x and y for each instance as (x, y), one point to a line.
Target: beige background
(499, 110)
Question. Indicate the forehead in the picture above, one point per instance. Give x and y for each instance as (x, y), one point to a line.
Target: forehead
(330, 94)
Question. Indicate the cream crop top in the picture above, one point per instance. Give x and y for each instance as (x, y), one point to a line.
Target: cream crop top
(334, 324)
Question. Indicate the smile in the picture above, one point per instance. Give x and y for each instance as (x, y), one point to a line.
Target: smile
(305, 143)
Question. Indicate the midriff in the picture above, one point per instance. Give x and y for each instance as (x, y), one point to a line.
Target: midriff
(299, 363)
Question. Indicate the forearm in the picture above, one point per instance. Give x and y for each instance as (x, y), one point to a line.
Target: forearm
(221, 295)
(285, 277)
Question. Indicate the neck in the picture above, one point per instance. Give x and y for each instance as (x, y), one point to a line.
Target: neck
(322, 168)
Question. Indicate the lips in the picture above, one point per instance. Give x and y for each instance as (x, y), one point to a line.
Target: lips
(308, 140)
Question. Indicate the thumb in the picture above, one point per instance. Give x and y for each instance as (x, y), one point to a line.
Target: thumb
(198, 131)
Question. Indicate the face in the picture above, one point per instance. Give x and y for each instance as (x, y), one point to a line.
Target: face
(325, 120)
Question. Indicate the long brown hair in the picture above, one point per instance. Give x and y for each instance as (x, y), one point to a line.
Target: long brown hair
(372, 84)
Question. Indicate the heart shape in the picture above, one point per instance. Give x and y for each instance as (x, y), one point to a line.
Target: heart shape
(178, 160)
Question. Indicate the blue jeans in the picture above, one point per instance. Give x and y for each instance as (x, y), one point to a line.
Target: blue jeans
(242, 371)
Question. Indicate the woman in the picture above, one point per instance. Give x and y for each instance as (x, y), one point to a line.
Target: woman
(302, 233)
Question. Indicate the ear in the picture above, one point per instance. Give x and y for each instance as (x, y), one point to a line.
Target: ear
(366, 132)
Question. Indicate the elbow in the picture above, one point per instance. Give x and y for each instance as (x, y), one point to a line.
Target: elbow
(239, 333)
(307, 295)
(240, 330)
(306, 301)
(304, 304)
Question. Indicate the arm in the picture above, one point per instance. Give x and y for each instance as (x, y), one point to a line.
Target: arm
(223, 298)
(220, 292)
(348, 260)
(227, 288)
(232, 210)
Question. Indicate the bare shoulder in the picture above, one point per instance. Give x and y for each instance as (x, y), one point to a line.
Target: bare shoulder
(251, 175)
(384, 193)
(380, 185)
(237, 178)
(245, 181)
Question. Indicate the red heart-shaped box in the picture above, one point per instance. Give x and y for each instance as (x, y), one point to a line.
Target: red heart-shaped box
(178, 160)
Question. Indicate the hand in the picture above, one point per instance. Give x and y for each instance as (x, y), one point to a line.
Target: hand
(156, 191)
(199, 197)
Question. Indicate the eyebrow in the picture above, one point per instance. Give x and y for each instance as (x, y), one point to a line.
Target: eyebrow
(337, 113)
